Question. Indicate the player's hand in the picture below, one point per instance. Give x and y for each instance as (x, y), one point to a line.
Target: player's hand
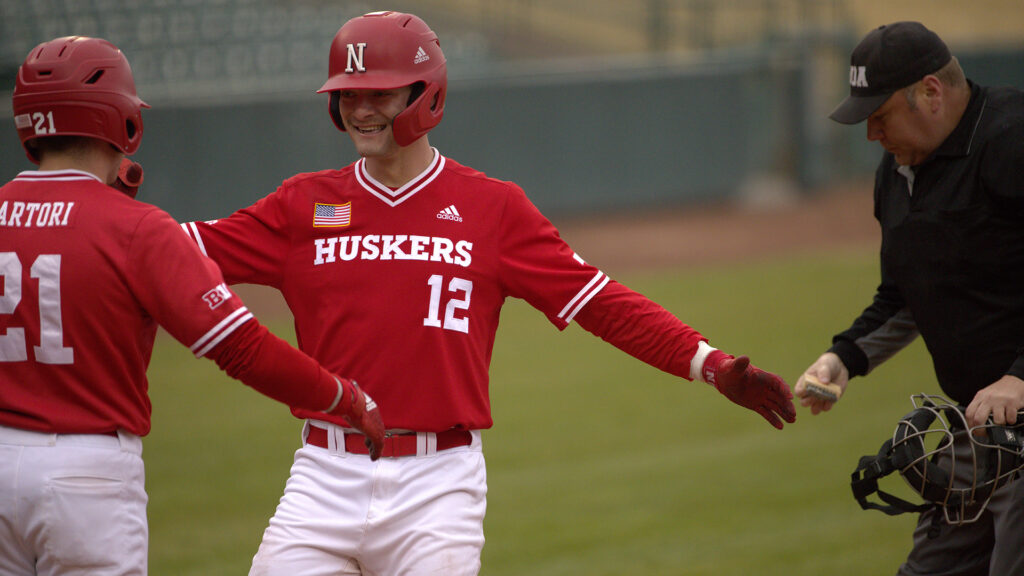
(750, 387)
(129, 177)
(827, 369)
(1001, 400)
(362, 414)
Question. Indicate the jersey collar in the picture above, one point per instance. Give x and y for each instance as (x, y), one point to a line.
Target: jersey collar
(960, 141)
(55, 176)
(396, 197)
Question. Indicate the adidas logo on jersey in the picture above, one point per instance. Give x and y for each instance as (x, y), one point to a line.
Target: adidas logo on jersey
(421, 56)
(450, 213)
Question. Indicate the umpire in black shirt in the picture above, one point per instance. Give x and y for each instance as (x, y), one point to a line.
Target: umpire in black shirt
(949, 196)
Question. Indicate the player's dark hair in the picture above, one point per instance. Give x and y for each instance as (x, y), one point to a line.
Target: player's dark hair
(59, 144)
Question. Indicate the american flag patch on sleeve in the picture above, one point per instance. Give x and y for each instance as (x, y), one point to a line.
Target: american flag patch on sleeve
(332, 215)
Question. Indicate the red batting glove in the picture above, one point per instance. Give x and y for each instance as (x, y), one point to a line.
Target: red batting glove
(362, 413)
(750, 387)
(129, 177)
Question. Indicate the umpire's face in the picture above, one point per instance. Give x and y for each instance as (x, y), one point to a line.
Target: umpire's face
(368, 115)
(909, 123)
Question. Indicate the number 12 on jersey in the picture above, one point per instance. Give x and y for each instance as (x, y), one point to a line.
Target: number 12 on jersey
(458, 291)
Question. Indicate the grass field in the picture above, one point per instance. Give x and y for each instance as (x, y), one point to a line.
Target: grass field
(597, 464)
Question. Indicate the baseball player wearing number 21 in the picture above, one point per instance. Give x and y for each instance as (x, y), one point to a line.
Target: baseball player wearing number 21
(88, 272)
(395, 269)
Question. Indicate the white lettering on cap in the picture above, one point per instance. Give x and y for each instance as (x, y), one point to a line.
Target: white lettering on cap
(858, 77)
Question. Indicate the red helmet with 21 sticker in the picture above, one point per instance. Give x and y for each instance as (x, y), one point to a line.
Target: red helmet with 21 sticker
(387, 50)
(77, 86)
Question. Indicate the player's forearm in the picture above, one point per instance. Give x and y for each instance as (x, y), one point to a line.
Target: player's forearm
(269, 365)
(641, 328)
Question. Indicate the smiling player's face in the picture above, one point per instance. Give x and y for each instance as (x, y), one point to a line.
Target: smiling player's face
(368, 115)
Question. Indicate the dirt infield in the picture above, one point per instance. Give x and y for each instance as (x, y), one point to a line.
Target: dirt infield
(837, 217)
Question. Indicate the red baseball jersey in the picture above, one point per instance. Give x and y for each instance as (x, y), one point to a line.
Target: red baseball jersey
(402, 289)
(88, 273)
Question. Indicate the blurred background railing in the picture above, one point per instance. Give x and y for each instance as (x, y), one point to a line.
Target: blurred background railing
(590, 105)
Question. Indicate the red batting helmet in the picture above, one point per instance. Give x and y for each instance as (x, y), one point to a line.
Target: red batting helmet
(386, 50)
(77, 86)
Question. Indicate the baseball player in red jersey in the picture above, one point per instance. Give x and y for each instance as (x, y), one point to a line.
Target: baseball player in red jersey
(395, 269)
(87, 274)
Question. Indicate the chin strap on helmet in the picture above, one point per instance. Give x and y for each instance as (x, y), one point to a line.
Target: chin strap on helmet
(864, 483)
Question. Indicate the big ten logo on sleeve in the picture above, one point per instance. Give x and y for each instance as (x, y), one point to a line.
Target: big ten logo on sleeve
(217, 296)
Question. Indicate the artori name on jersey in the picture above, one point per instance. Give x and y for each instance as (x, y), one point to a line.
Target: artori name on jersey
(35, 214)
(392, 247)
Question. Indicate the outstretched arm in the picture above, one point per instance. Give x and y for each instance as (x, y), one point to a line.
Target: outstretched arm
(645, 330)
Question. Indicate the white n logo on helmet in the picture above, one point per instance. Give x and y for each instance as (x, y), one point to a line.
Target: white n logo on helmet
(858, 76)
(355, 58)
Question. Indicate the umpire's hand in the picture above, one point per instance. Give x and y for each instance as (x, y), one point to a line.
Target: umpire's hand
(1001, 401)
(829, 369)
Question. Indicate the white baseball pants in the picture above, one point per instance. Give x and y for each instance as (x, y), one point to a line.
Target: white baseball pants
(344, 514)
(72, 504)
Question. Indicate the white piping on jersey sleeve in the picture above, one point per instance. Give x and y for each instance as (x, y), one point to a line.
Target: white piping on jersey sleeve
(222, 330)
(192, 231)
(596, 284)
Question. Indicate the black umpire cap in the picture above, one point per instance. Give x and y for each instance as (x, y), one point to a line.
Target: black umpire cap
(889, 58)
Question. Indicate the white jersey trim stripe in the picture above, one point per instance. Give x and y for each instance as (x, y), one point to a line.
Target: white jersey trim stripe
(192, 231)
(395, 197)
(596, 284)
(586, 299)
(222, 330)
(55, 176)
